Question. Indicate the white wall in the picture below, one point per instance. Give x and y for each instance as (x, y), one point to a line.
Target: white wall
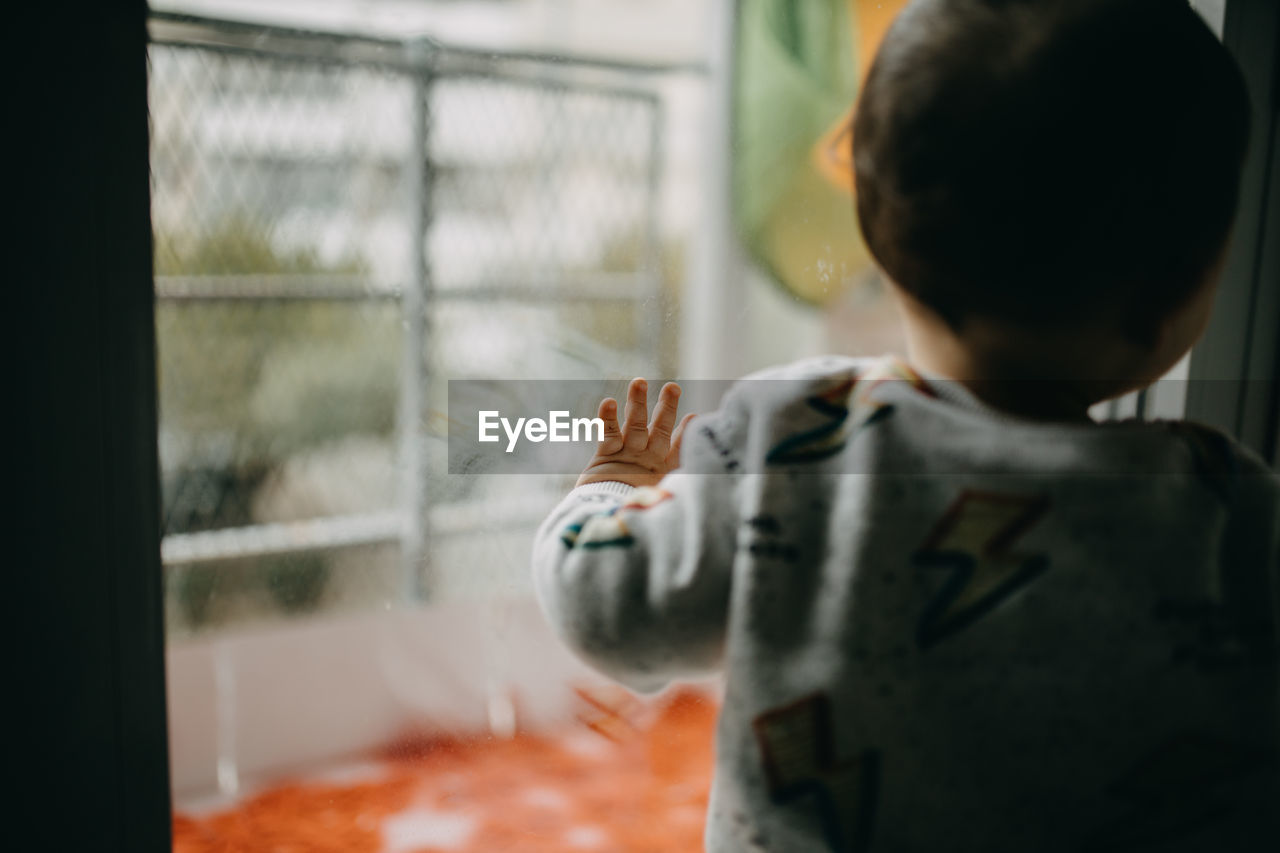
(267, 702)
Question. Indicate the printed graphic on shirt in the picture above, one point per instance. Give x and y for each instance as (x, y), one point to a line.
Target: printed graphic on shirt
(797, 747)
(894, 369)
(1186, 783)
(608, 529)
(721, 448)
(829, 437)
(1212, 637)
(609, 711)
(972, 541)
(765, 540)
(841, 410)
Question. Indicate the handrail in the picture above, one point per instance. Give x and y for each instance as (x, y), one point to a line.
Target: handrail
(172, 28)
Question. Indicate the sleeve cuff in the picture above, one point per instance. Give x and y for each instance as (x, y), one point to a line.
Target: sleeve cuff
(614, 488)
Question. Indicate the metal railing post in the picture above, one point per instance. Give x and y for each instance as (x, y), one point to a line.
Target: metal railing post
(710, 347)
(651, 256)
(413, 469)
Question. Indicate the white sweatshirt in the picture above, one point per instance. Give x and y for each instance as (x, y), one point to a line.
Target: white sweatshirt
(942, 628)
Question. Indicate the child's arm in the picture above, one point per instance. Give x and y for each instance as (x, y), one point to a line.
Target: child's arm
(633, 567)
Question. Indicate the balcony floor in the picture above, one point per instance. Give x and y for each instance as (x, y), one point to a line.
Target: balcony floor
(631, 776)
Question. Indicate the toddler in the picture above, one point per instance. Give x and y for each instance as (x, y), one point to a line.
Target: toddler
(951, 611)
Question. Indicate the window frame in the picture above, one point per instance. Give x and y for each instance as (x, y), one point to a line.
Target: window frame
(1235, 367)
(90, 681)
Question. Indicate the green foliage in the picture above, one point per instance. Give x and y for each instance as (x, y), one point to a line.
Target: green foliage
(277, 377)
(229, 591)
(237, 245)
(272, 376)
(244, 384)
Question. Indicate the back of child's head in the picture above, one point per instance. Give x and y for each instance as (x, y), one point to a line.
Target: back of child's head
(1038, 161)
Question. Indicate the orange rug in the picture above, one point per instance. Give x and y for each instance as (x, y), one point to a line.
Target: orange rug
(632, 777)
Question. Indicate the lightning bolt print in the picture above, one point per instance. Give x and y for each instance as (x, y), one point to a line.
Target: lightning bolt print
(608, 529)
(797, 743)
(972, 541)
(824, 440)
(610, 712)
(836, 414)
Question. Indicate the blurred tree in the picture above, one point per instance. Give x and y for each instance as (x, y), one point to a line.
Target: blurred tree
(215, 356)
(245, 384)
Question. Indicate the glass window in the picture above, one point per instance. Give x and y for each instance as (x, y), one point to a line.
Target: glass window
(355, 203)
(347, 215)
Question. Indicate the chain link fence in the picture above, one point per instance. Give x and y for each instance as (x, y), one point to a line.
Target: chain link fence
(341, 224)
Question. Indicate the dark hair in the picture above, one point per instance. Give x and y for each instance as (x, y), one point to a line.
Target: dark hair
(1033, 160)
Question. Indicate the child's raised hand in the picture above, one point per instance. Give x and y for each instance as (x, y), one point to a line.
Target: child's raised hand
(633, 452)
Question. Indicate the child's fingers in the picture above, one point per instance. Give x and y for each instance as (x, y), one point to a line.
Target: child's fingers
(673, 455)
(612, 440)
(635, 435)
(664, 419)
